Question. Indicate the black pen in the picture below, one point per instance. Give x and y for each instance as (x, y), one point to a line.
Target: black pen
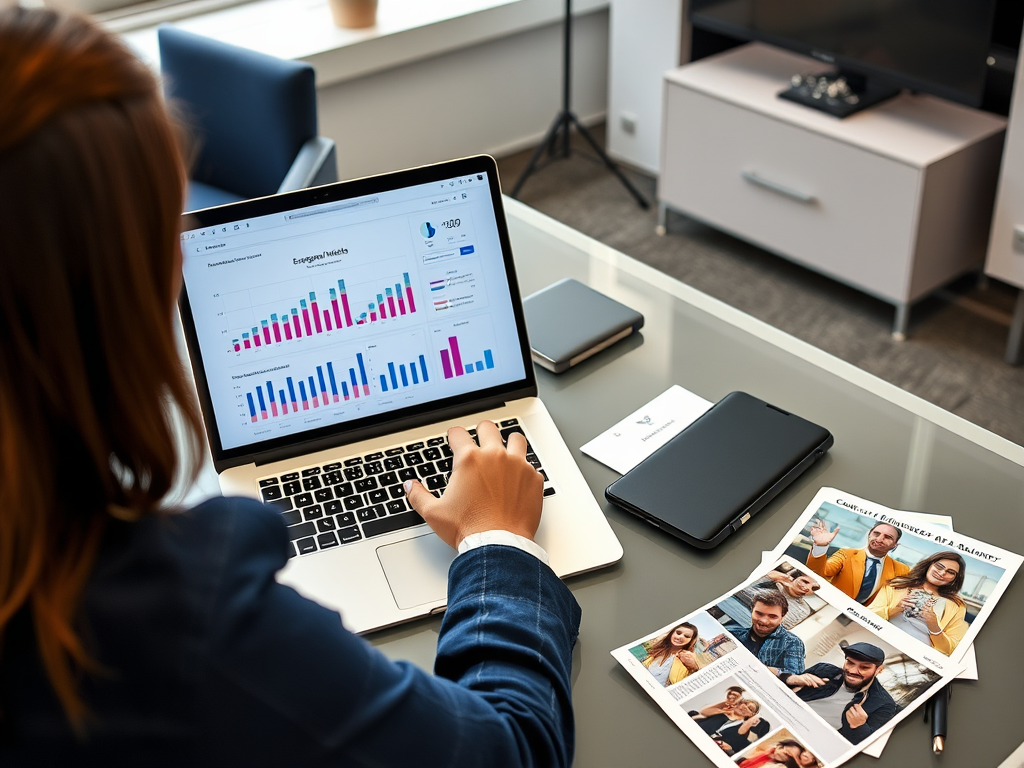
(940, 713)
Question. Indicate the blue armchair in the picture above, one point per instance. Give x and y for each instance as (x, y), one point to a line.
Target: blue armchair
(253, 115)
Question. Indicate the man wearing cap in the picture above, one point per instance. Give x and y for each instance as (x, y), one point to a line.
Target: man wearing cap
(849, 699)
(860, 573)
(774, 645)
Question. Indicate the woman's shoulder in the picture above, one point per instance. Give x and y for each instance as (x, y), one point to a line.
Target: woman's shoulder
(194, 545)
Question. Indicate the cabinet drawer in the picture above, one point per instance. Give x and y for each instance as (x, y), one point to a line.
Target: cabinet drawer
(837, 208)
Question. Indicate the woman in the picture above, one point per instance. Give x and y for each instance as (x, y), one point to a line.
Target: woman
(926, 603)
(671, 658)
(734, 731)
(732, 694)
(785, 752)
(132, 633)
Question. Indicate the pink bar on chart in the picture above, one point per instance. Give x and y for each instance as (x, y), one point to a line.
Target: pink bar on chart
(273, 407)
(391, 305)
(284, 406)
(336, 398)
(447, 366)
(247, 344)
(344, 306)
(383, 310)
(295, 323)
(323, 398)
(238, 348)
(316, 401)
(327, 320)
(264, 414)
(408, 295)
(266, 335)
(255, 419)
(401, 306)
(287, 332)
(316, 317)
(373, 316)
(305, 322)
(277, 332)
(453, 342)
(305, 405)
(337, 314)
(256, 339)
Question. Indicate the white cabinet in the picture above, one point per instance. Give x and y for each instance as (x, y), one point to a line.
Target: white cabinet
(1006, 245)
(895, 201)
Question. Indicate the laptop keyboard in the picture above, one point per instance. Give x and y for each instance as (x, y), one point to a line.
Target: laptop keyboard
(344, 501)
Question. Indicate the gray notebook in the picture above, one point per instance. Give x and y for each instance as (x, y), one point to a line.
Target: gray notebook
(568, 322)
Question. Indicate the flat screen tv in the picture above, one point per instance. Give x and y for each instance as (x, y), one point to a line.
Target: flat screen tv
(878, 46)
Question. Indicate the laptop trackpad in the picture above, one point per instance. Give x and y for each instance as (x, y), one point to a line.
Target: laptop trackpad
(417, 569)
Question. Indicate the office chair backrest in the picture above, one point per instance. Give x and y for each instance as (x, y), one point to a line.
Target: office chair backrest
(251, 113)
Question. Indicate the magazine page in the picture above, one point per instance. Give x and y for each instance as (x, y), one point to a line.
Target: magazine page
(935, 585)
(800, 677)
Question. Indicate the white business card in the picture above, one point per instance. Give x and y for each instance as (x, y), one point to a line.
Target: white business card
(640, 434)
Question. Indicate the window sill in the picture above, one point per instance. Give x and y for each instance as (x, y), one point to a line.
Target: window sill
(406, 30)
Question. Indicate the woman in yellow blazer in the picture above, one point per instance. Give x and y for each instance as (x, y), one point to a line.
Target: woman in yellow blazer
(926, 603)
(671, 658)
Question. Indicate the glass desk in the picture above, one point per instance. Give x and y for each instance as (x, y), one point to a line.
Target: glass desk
(890, 447)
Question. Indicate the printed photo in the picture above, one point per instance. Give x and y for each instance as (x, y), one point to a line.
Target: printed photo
(671, 656)
(926, 588)
(779, 750)
(853, 680)
(798, 586)
(731, 715)
(757, 616)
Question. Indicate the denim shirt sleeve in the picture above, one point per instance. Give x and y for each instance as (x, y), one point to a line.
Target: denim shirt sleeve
(285, 684)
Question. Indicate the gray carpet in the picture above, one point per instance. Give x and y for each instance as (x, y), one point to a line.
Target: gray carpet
(953, 356)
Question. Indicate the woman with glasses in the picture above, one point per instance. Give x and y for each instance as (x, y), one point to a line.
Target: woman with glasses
(926, 603)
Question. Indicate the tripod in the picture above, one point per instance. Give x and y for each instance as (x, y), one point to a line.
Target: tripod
(565, 121)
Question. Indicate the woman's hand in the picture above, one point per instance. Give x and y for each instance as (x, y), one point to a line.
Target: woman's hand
(749, 723)
(492, 487)
(689, 660)
(928, 616)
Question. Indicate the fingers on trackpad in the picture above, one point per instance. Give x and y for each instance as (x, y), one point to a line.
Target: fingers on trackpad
(417, 569)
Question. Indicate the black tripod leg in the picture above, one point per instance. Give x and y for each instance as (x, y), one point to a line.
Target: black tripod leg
(608, 161)
(560, 120)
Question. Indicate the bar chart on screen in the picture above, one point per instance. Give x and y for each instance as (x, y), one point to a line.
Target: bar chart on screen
(464, 347)
(295, 312)
(319, 385)
(399, 361)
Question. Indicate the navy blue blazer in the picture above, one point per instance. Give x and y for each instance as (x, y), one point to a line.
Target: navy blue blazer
(206, 660)
(878, 704)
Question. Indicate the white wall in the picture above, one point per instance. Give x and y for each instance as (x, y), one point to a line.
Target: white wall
(494, 97)
(647, 38)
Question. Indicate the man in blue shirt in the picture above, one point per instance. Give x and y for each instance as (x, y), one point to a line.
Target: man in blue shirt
(774, 646)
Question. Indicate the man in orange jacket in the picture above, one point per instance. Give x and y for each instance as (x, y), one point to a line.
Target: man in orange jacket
(860, 573)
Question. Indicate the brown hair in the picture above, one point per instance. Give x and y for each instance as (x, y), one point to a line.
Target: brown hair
(663, 647)
(770, 597)
(919, 573)
(92, 181)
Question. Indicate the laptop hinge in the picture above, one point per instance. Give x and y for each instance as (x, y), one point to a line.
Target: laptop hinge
(377, 430)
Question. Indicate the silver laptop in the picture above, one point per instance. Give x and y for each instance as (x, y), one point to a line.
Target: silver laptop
(335, 334)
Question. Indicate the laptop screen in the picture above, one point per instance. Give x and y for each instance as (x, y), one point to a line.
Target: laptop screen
(387, 298)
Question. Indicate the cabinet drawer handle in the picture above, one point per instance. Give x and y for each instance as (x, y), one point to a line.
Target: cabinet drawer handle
(801, 197)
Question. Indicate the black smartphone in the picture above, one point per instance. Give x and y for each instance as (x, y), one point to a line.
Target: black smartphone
(717, 473)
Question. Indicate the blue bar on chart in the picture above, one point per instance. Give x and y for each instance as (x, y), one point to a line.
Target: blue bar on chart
(398, 376)
(322, 390)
